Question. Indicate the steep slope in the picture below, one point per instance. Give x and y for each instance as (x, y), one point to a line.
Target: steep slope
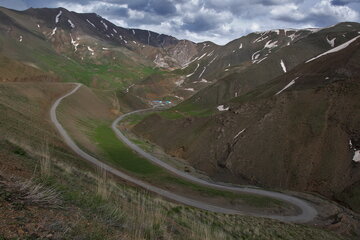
(298, 126)
(252, 60)
(86, 47)
(67, 29)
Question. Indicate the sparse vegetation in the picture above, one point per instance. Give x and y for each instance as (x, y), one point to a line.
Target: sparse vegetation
(129, 213)
(45, 159)
(122, 157)
(102, 185)
(126, 212)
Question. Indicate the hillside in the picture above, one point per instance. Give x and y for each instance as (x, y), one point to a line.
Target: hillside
(298, 125)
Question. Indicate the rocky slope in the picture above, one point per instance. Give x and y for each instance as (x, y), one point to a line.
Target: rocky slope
(262, 57)
(298, 130)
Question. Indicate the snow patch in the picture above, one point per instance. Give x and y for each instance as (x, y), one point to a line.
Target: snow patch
(74, 43)
(38, 26)
(91, 50)
(270, 44)
(238, 134)
(133, 31)
(240, 47)
(205, 45)
(336, 49)
(71, 23)
(187, 64)
(331, 41)
(277, 31)
(283, 65)
(203, 80)
(114, 30)
(261, 38)
(202, 56)
(105, 25)
(212, 61)
(178, 83)
(289, 30)
(128, 88)
(20, 38)
(221, 108)
(106, 49)
(189, 89)
(189, 75)
(292, 36)
(90, 23)
(202, 72)
(313, 30)
(53, 32)
(58, 17)
(253, 57)
(181, 98)
(356, 157)
(287, 86)
(260, 60)
(149, 35)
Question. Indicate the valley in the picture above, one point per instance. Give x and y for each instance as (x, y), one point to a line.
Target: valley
(255, 139)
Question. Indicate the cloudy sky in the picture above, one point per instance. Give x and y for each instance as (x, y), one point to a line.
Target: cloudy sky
(216, 20)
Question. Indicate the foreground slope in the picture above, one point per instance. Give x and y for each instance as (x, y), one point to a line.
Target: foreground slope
(97, 206)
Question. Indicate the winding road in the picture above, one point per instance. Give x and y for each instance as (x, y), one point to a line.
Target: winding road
(308, 212)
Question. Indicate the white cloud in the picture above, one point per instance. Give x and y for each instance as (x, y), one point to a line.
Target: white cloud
(288, 10)
(341, 13)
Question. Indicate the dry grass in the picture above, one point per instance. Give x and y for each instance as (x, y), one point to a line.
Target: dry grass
(45, 159)
(37, 193)
(30, 192)
(102, 185)
(124, 212)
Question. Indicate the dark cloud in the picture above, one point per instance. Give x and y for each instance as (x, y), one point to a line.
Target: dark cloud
(163, 7)
(199, 23)
(159, 7)
(114, 12)
(138, 4)
(216, 20)
(276, 2)
(343, 2)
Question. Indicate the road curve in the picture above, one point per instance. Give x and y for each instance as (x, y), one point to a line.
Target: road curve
(308, 212)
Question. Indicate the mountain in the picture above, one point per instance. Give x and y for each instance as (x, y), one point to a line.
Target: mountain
(277, 109)
(85, 47)
(296, 129)
(59, 45)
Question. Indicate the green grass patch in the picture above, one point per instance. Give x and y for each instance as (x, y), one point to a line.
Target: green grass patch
(123, 157)
(134, 119)
(186, 109)
(120, 155)
(250, 199)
